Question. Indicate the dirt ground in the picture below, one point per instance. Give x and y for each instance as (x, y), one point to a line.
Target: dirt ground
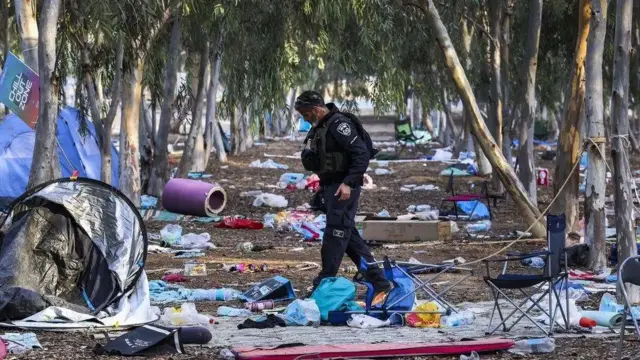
(237, 177)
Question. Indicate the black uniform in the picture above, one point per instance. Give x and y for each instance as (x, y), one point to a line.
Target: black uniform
(341, 235)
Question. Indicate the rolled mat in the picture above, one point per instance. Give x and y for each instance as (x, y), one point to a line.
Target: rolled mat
(193, 197)
(604, 318)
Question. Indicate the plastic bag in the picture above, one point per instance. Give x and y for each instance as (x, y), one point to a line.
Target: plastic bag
(302, 313)
(268, 164)
(362, 321)
(332, 294)
(171, 234)
(270, 200)
(382, 171)
(424, 320)
(185, 315)
(196, 241)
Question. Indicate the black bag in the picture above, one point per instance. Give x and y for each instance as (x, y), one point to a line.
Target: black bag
(366, 138)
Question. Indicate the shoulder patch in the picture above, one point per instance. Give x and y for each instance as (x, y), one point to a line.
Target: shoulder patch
(344, 129)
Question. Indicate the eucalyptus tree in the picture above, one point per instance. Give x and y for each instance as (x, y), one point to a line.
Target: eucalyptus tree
(160, 167)
(526, 156)
(45, 165)
(143, 21)
(94, 27)
(595, 217)
(570, 141)
(624, 206)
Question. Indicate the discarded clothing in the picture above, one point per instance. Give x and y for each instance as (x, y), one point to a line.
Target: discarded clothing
(577, 255)
(268, 322)
(198, 175)
(162, 293)
(168, 216)
(175, 278)
(238, 223)
(21, 343)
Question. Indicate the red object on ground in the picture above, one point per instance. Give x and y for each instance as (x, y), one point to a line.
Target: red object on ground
(175, 278)
(372, 350)
(588, 323)
(236, 223)
(543, 177)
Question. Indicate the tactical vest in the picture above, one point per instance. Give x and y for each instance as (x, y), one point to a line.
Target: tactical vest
(326, 161)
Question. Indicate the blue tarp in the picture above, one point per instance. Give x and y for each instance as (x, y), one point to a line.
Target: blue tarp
(75, 152)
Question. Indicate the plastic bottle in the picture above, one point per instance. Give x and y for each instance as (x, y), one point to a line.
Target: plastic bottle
(226, 294)
(250, 193)
(291, 178)
(460, 319)
(260, 305)
(483, 225)
(233, 312)
(534, 346)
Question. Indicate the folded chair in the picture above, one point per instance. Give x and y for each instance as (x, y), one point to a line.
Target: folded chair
(554, 277)
(456, 198)
(404, 133)
(407, 284)
(628, 273)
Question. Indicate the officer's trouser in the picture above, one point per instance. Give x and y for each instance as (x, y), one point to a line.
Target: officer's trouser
(341, 236)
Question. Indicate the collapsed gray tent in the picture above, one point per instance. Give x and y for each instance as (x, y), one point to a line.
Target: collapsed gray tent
(77, 244)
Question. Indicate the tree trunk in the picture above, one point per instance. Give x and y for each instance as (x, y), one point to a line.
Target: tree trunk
(116, 95)
(154, 120)
(496, 104)
(428, 124)
(527, 209)
(596, 167)
(292, 112)
(27, 25)
(146, 148)
(45, 165)
(242, 122)
(248, 133)
(160, 168)
(505, 41)
(625, 233)
(193, 155)
(235, 117)
(526, 156)
(570, 139)
(213, 137)
(130, 174)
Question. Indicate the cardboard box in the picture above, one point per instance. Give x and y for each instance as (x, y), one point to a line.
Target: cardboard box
(405, 230)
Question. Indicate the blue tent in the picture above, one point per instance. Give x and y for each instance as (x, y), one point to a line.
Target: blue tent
(75, 152)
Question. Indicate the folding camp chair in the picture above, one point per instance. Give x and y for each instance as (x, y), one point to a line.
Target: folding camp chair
(456, 198)
(628, 273)
(554, 275)
(407, 284)
(404, 133)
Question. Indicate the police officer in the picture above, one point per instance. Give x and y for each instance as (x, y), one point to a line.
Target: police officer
(334, 149)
